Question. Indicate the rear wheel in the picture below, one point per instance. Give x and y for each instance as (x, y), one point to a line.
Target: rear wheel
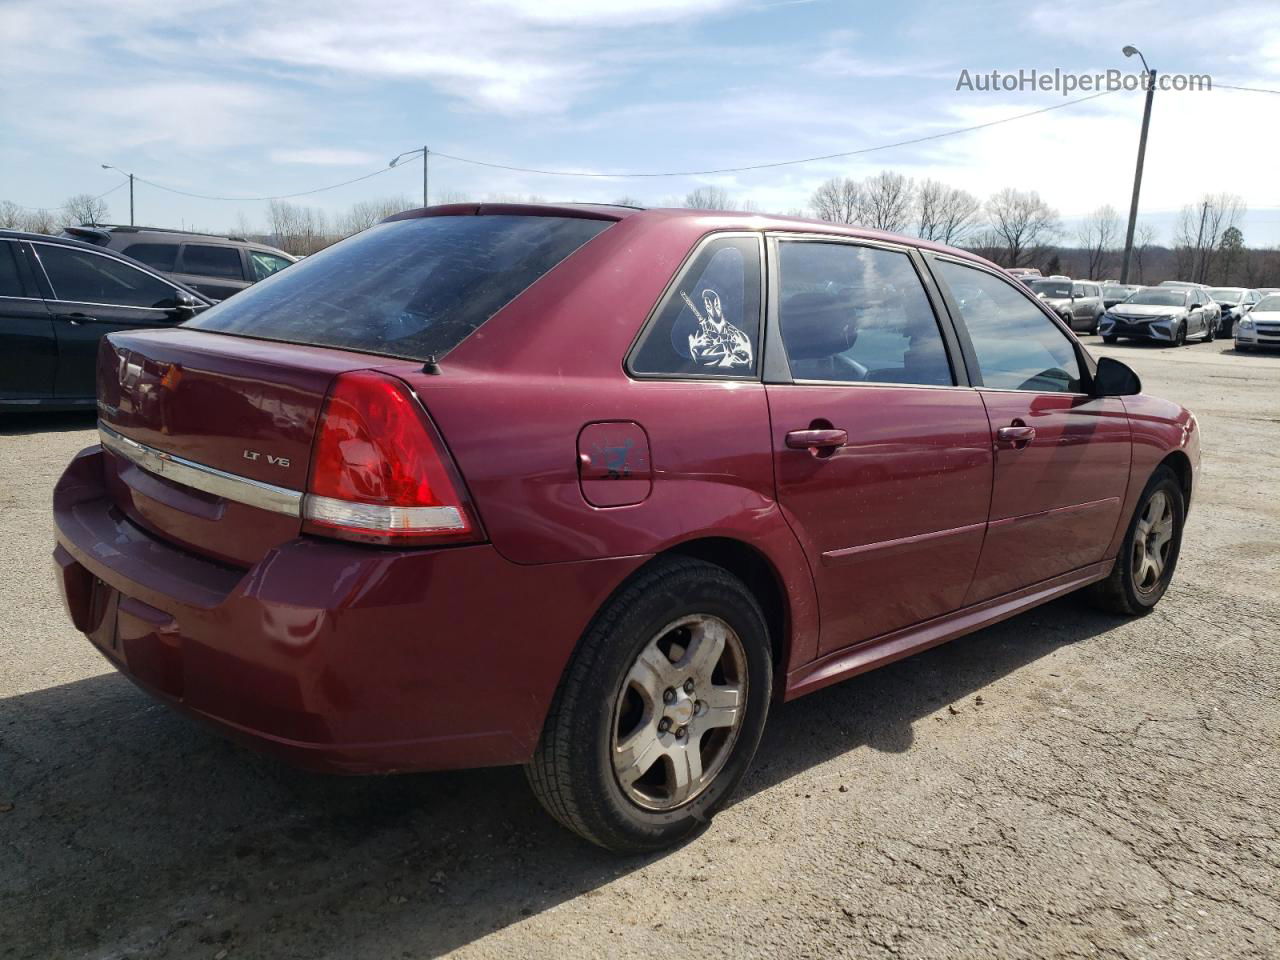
(659, 712)
(1149, 553)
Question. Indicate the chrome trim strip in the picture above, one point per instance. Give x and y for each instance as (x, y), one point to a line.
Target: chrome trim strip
(229, 486)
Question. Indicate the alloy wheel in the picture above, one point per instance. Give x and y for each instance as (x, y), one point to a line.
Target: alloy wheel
(1152, 541)
(678, 712)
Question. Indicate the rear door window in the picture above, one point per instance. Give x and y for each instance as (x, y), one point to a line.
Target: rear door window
(857, 314)
(708, 325)
(157, 256)
(409, 288)
(80, 276)
(203, 260)
(11, 284)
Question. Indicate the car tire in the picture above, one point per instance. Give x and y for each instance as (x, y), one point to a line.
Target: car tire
(1210, 333)
(1146, 562)
(1180, 336)
(609, 707)
(1109, 339)
(1093, 330)
(1243, 348)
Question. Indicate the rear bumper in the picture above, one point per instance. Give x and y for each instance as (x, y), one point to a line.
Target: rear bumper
(337, 657)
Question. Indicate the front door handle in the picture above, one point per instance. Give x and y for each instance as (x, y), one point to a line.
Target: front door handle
(816, 439)
(1018, 434)
(75, 319)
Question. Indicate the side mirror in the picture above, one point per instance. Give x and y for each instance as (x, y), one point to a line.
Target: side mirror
(1115, 379)
(184, 305)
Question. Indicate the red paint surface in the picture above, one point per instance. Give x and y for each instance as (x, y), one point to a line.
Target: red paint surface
(342, 656)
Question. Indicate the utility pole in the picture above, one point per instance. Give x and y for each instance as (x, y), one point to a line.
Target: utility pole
(107, 166)
(1129, 51)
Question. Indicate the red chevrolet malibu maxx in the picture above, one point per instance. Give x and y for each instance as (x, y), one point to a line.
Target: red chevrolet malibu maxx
(588, 488)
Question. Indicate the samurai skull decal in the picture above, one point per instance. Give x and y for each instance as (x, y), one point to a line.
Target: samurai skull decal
(718, 343)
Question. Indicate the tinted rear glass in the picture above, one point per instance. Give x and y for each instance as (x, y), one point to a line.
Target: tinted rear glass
(412, 288)
(208, 261)
(157, 256)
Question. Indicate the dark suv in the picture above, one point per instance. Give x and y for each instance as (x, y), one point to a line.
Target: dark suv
(216, 266)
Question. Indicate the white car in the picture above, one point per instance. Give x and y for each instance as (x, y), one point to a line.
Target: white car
(1260, 327)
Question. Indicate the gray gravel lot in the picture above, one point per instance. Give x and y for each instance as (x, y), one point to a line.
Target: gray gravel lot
(1066, 784)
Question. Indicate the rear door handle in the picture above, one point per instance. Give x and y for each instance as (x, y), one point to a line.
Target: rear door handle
(1020, 434)
(821, 439)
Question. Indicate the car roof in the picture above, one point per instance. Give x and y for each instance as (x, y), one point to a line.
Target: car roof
(147, 234)
(6, 234)
(711, 220)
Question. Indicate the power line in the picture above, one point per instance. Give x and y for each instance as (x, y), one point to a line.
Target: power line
(780, 163)
(283, 196)
(118, 186)
(647, 174)
(1228, 86)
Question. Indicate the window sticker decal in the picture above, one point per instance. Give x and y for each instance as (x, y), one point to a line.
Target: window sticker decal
(718, 343)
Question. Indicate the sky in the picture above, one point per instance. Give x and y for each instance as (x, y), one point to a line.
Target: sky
(271, 97)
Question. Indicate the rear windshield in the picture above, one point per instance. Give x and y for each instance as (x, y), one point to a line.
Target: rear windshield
(413, 288)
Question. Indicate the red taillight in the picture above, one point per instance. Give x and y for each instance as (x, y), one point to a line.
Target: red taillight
(379, 471)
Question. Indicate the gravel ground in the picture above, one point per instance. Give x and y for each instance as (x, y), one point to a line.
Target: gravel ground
(1066, 784)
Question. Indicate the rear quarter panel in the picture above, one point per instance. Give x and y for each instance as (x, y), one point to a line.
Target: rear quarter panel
(511, 400)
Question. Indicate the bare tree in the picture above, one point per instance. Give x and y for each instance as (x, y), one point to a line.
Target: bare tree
(887, 200)
(709, 198)
(10, 215)
(1143, 239)
(296, 229)
(1199, 233)
(1098, 235)
(84, 208)
(1023, 223)
(366, 213)
(838, 200)
(626, 200)
(945, 214)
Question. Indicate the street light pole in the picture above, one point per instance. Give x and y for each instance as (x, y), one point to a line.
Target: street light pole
(1129, 51)
(426, 170)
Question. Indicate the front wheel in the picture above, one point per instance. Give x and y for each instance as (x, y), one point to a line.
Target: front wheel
(1180, 335)
(1110, 339)
(1211, 333)
(660, 710)
(1149, 553)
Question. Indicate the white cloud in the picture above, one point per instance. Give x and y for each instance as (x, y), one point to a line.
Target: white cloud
(325, 157)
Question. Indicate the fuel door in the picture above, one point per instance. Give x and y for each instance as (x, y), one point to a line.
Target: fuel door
(614, 469)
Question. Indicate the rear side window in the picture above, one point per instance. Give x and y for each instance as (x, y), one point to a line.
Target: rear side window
(1017, 346)
(207, 261)
(409, 288)
(10, 280)
(84, 277)
(157, 256)
(709, 322)
(857, 314)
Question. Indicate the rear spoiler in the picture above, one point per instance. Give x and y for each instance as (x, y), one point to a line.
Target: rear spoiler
(88, 234)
